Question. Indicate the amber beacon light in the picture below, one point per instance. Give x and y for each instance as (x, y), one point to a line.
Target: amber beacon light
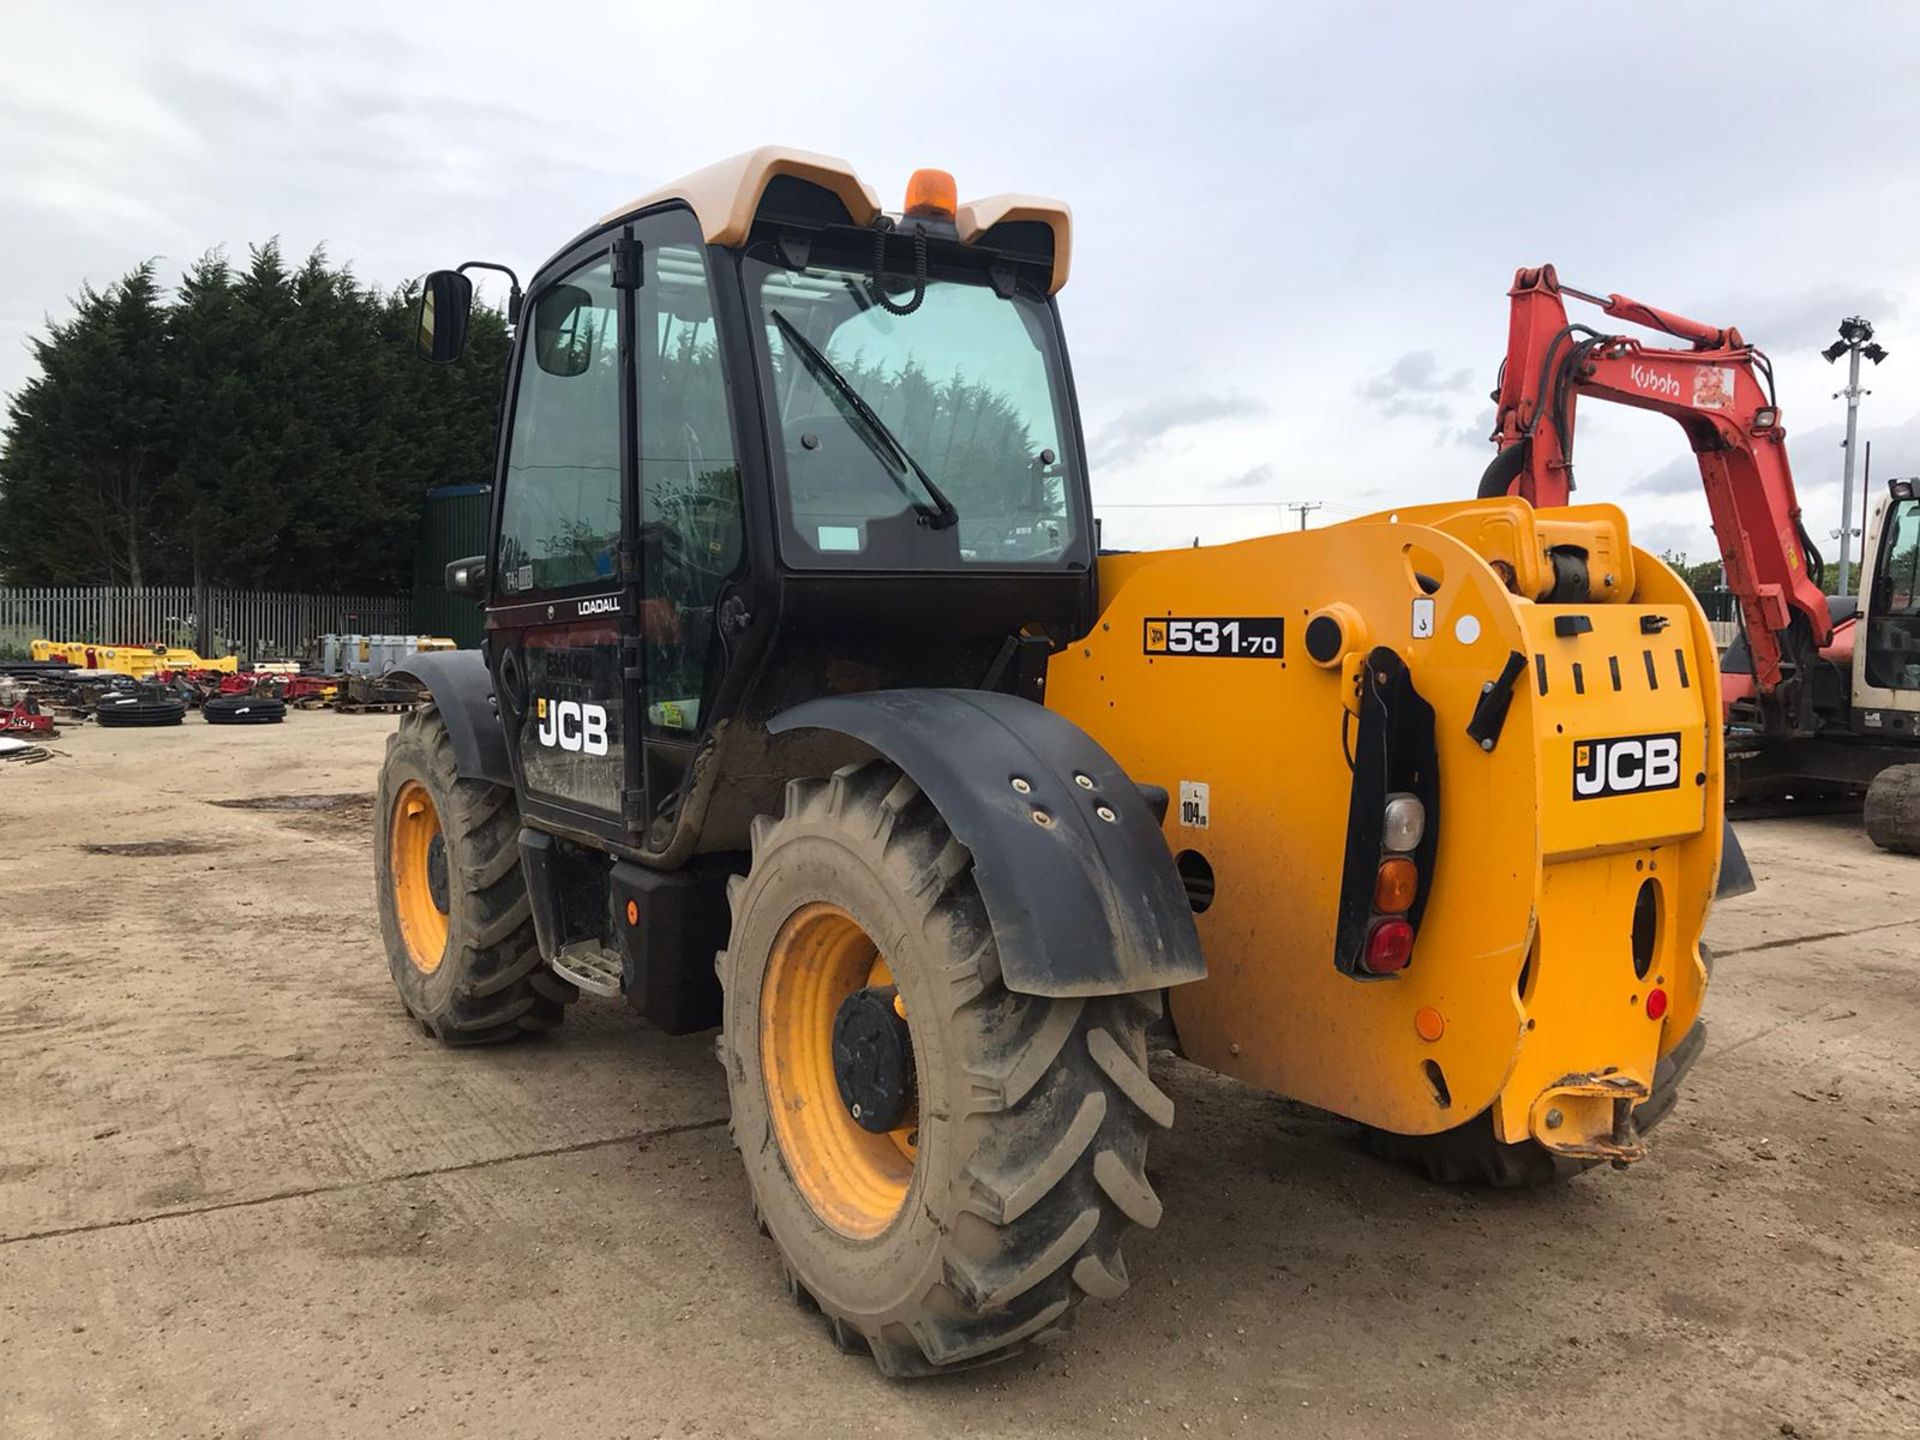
(932, 195)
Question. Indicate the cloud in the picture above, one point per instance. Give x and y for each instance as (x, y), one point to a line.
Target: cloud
(1816, 456)
(1687, 539)
(1142, 428)
(1475, 435)
(1678, 476)
(1804, 319)
(1415, 385)
(1247, 479)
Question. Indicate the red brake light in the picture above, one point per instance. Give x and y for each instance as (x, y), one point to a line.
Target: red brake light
(1389, 947)
(1656, 1004)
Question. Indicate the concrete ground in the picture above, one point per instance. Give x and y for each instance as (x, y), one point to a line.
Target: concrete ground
(241, 1195)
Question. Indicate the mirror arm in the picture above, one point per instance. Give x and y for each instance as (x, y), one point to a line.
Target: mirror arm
(513, 294)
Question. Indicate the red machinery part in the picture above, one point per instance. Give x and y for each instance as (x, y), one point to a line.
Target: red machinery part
(25, 718)
(1720, 391)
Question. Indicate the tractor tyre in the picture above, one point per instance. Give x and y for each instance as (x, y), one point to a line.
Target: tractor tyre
(1892, 810)
(452, 901)
(130, 710)
(947, 1167)
(1471, 1154)
(243, 710)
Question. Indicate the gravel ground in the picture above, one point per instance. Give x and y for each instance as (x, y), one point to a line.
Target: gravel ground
(241, 1195)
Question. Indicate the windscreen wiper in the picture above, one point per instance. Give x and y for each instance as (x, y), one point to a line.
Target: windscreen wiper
(937, 516)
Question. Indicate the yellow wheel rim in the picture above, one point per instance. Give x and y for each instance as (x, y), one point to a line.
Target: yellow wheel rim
(418, 862)
(855, 1180)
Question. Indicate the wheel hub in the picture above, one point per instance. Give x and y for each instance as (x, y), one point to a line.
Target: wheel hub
(854, 1174)
(437, 873)
(421, 878)
(873, 1059)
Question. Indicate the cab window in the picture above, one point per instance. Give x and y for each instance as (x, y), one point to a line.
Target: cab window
(691, 530)
(1893, 609)
(925, 440)
(560, 515)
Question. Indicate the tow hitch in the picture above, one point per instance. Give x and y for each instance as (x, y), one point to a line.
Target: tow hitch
(1590, 1117)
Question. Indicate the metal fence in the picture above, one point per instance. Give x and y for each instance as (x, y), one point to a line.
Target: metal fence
(254, 624)
(1720, 604)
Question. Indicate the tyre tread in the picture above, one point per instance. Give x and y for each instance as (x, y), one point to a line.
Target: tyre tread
(1055, 1089)
(505, 989)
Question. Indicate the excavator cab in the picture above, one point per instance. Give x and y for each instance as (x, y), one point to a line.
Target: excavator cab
(1889, 655)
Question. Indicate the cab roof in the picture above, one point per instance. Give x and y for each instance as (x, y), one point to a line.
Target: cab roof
(725, 198)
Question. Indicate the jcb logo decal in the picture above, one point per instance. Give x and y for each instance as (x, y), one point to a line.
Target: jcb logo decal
(1626, 765)
(572, 725)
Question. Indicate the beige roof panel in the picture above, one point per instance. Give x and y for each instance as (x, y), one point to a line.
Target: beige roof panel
(724, 196)
(975, 217)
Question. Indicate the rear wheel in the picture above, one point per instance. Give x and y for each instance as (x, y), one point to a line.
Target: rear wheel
(946, 1167)
(1892, 812)
(453, 904)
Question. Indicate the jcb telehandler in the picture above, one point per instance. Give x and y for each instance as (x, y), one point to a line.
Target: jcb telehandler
(808, 708)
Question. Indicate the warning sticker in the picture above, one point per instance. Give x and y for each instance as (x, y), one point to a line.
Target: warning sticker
(1193, 804)
(1713, 387)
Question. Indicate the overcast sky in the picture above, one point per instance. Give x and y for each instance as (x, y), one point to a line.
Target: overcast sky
(1294, 224)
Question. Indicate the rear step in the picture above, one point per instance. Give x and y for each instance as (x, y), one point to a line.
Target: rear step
(594, 969)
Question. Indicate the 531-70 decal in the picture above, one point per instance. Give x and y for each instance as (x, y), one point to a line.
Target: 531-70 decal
(1255, 637)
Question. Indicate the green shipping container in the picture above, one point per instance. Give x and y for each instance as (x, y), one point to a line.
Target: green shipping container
(453, 525)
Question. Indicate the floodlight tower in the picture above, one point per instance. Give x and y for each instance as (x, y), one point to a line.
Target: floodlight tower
(1856, 340)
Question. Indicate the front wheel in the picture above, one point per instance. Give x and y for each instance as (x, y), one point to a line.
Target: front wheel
(452, 901)
(947, 1167)
(1892, 810)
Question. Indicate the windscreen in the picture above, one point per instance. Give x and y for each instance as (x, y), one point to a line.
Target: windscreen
(932, 439)
(1893, 609)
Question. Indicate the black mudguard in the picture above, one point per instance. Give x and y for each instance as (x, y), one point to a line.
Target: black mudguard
(1736, 876)
(462, 688)
(1080, 905)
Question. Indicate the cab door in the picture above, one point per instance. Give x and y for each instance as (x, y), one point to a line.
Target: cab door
(557, 605)
(690, 542)
(1886, 647)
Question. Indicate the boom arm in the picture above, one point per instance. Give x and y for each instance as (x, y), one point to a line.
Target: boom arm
(1721, 393)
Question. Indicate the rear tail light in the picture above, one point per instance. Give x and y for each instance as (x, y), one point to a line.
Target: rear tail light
(1389, 947)
(1405, 825)
(1656, 1004)
(1386, 869)
(1396, 885)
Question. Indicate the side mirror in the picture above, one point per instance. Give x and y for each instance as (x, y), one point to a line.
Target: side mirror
(468, 577)
(566, 327)
(446, 309)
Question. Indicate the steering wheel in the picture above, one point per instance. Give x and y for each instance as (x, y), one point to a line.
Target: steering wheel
(707, 527)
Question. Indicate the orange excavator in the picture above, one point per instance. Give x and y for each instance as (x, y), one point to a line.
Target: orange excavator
(1820, 698)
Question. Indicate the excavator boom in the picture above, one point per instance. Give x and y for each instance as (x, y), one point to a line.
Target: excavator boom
(1720, 391)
